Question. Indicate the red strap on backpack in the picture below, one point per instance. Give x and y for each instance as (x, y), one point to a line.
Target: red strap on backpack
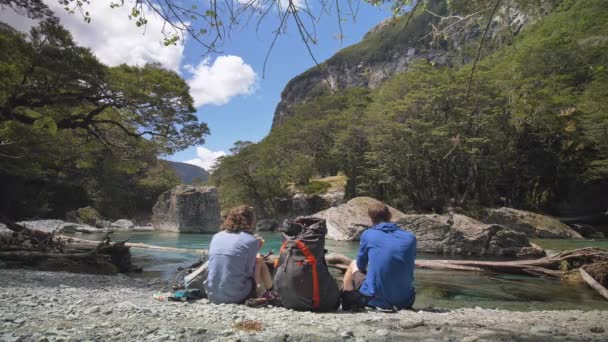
(310, 258)
(276, 262)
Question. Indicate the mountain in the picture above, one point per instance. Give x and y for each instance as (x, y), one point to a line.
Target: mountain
(188, 172)
(391, 47)
(407, 121)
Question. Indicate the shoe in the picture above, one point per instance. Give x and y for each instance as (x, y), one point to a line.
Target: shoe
(352, 301)
(256, 302)
(272, 298)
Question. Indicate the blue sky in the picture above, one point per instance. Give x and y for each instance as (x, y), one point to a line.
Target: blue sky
(249, 117)
(231, 95)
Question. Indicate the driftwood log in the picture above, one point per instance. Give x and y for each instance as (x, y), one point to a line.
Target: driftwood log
(48, 251)
(593, 283)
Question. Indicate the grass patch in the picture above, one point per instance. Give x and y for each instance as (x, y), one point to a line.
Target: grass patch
(316, 188)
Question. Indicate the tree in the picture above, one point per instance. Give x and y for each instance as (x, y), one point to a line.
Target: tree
(51, 82)
(74, 132)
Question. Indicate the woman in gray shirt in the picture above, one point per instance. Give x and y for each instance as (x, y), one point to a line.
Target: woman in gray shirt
(236, 271)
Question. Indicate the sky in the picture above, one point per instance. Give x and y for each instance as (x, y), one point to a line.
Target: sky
(230, 91)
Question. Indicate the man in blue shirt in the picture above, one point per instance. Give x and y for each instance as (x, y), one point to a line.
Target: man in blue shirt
(382, 276)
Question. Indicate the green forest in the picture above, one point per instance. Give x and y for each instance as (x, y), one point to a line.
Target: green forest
(75, 132)
(530, 131)
(528, 128)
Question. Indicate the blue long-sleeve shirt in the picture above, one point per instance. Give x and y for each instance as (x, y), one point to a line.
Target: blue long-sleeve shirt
(387, 254)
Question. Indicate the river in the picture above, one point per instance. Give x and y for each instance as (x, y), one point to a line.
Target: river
(442, 289)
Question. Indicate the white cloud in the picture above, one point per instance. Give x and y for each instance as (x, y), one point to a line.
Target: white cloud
(112, 37)
(217, 82)
(205, 157)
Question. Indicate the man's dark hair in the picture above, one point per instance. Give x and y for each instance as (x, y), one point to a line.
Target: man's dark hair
(379, 212)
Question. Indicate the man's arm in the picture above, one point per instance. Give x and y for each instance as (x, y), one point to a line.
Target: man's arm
(362, 257)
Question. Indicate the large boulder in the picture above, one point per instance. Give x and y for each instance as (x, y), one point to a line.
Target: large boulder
(461, 235)
(122, 224)
(87, 215)
(532, 224)
(443, 234)
(298, 205)
(265, 225)
(587, 231)
(188, 209)
(59, 226)
(348, 221)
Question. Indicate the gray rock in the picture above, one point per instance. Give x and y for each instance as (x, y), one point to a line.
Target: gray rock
(462, 235)
(10, 318)
(348, 221)
(541, 329)
(529, 223)
(87, 215)
(587, 231)
(123, 224)
(267, 225)
(192, 209)
(381, 332)
(443, 234)
(411, 324)
(597, 330)
(47, 226)
(470, 339)
(298, 205)
(347, 334)
(92, 310)
(103, 224)
(80, 228)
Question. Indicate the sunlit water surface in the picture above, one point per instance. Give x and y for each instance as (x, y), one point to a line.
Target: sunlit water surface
(442, 289)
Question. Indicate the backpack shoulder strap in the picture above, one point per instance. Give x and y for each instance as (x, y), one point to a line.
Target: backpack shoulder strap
(310, 258)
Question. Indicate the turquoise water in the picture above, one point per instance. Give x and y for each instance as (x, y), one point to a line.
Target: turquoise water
(443, 289)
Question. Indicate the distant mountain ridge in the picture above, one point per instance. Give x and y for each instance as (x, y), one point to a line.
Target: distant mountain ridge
(188, 172)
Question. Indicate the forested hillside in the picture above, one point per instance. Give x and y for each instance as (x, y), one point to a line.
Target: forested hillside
(74, 132)
(529, 129)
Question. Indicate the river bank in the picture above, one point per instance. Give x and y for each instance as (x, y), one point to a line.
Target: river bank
(39, 306)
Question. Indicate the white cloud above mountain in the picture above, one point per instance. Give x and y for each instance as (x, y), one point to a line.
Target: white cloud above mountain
(216, 83)
(205, 158)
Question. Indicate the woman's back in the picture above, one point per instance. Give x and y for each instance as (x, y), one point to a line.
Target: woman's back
(232, 258)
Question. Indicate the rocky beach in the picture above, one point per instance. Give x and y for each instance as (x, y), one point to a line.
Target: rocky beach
(57, 306)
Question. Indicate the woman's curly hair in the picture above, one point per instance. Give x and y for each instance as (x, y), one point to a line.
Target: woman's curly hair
(241, 218)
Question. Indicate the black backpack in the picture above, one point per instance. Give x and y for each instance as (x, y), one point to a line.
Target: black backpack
(302, 279)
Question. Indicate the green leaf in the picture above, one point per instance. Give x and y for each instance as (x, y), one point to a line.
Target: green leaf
(46, 122)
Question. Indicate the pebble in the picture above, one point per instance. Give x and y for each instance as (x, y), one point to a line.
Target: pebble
(410, 324)
(381, 332)
(597, 330)
(10, 318)
(541, 329)
(470, 339)
(347, 334)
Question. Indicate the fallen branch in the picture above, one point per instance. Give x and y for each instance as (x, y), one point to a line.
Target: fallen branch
(593, 283)
(73, 240)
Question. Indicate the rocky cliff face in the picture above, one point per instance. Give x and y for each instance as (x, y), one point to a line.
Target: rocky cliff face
(389, 49)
